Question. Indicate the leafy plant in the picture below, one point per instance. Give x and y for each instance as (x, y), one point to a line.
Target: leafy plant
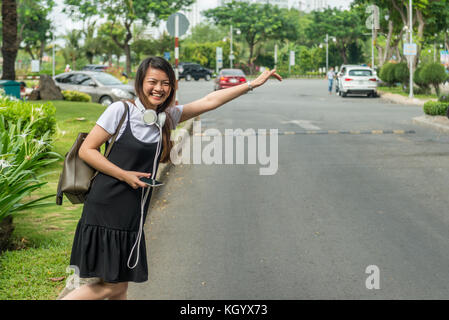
(76, 96)
(435, 108)
(21, 155)
(42, 116)
(434, 74)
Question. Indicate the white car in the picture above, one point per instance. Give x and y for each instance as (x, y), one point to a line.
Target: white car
(357, 80)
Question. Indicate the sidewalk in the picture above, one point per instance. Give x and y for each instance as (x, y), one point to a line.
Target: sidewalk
(440, 123)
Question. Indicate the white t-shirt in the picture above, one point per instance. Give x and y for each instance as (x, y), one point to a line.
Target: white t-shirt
(110, 119)
(330, 75)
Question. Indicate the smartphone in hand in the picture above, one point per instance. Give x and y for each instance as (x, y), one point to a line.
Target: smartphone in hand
(151, 182)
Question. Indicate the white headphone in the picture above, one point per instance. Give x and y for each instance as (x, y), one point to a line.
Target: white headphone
(149, 117)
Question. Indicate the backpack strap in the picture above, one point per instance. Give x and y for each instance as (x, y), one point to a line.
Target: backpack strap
(109, 145)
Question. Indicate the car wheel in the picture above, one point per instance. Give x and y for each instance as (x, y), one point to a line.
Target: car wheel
(344, 94)
(106, 100)
(188, 77)
(196, 79)
(339, 93)
(207, 77)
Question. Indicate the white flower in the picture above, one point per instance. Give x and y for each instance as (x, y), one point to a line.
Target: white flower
(4, 164)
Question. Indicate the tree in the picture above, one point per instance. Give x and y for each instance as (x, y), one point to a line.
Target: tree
(34, 26)
(345, 26)
(9, 37)
(126, 12)
(256, 22)
(72, 48)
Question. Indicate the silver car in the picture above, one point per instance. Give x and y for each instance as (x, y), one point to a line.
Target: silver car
(358, 80)
(102, 87)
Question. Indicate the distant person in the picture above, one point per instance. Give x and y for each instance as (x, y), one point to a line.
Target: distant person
(67, 68)
(330, 77)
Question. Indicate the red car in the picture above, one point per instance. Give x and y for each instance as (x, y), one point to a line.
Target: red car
(229, 78)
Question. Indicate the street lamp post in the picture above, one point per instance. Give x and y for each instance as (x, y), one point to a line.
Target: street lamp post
(412, 58)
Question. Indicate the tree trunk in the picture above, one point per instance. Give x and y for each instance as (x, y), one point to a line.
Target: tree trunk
(6, 230)
(9, 47)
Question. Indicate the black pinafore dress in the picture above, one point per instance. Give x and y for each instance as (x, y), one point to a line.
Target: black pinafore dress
(109, 225)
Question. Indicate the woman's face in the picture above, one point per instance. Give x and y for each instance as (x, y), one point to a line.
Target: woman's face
(156, 86)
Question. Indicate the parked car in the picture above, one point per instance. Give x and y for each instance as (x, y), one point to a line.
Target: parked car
(94, 67)
(340, 73)
(189, 71)
(229, 78)
(358, 80)
(102, 87)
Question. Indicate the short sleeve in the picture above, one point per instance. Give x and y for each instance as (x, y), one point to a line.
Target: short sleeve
(175, 114)
(110, 118)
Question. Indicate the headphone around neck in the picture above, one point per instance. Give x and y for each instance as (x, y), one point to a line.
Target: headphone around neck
(150, 117)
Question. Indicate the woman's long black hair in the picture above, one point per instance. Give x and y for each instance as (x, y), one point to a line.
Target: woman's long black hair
(163, 65)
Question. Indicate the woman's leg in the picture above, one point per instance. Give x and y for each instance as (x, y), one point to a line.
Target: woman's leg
(123, 295)
(98, 291)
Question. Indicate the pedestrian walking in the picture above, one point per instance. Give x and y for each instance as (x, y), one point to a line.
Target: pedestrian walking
(109, 241)
(330, 77)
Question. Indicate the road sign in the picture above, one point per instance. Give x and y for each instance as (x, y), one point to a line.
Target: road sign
(183, 24)
(219, 57)
(410, 49)
(167, 55)
(373, 20)
(292, 58)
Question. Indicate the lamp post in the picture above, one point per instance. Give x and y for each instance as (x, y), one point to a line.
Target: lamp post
(327, 50)
(231, 54)
(412, 58)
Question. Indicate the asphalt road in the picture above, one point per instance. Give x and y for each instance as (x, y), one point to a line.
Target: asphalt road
(340, 201)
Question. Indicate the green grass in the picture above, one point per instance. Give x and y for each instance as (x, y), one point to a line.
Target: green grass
(43, 237)
(398, 90)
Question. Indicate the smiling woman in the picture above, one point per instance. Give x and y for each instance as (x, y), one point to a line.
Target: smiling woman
(109, 242)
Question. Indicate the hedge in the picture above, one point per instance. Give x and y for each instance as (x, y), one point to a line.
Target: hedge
(76, 96)
(436, 108)
(42, 115)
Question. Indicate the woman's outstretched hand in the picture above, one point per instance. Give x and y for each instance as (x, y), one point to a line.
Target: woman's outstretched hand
(260, 80)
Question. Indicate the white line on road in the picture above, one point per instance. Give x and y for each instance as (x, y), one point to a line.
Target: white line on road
(305, 124)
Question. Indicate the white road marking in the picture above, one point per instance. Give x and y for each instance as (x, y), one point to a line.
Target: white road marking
(305, 124)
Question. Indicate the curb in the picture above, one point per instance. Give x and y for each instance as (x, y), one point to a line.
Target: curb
(397, 98)
(439, 123)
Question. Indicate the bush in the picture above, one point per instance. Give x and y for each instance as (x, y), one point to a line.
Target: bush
(435, 108)
(41, 116)
(21, 155)
(433, 74)
(76, 96)
(386, 74)
(424, 86)
(401, 74)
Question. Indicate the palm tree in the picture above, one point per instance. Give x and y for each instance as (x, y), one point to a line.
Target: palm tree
(9, 33)
(72, 48)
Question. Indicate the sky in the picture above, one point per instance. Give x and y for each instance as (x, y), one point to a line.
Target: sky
(63, 23)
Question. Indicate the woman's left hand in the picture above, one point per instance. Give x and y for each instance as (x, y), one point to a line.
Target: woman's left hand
(260, 80)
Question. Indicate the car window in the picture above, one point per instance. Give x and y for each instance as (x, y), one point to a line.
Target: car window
(360, 73)
(233, 73)
(87, 81)
(79, 78)
(64, 78)
(106, 79)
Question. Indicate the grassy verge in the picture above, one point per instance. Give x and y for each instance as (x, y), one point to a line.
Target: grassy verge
(43, 237)
(398, 90)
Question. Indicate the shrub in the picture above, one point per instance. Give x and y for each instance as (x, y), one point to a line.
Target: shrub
(433, 74)
(386, 74)
(21, 155)
(424, 86)
(401, 74)
(76, 96)
(41, 116)
(435, 108)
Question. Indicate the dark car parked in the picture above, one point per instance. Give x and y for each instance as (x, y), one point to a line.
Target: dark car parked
(189, 71)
